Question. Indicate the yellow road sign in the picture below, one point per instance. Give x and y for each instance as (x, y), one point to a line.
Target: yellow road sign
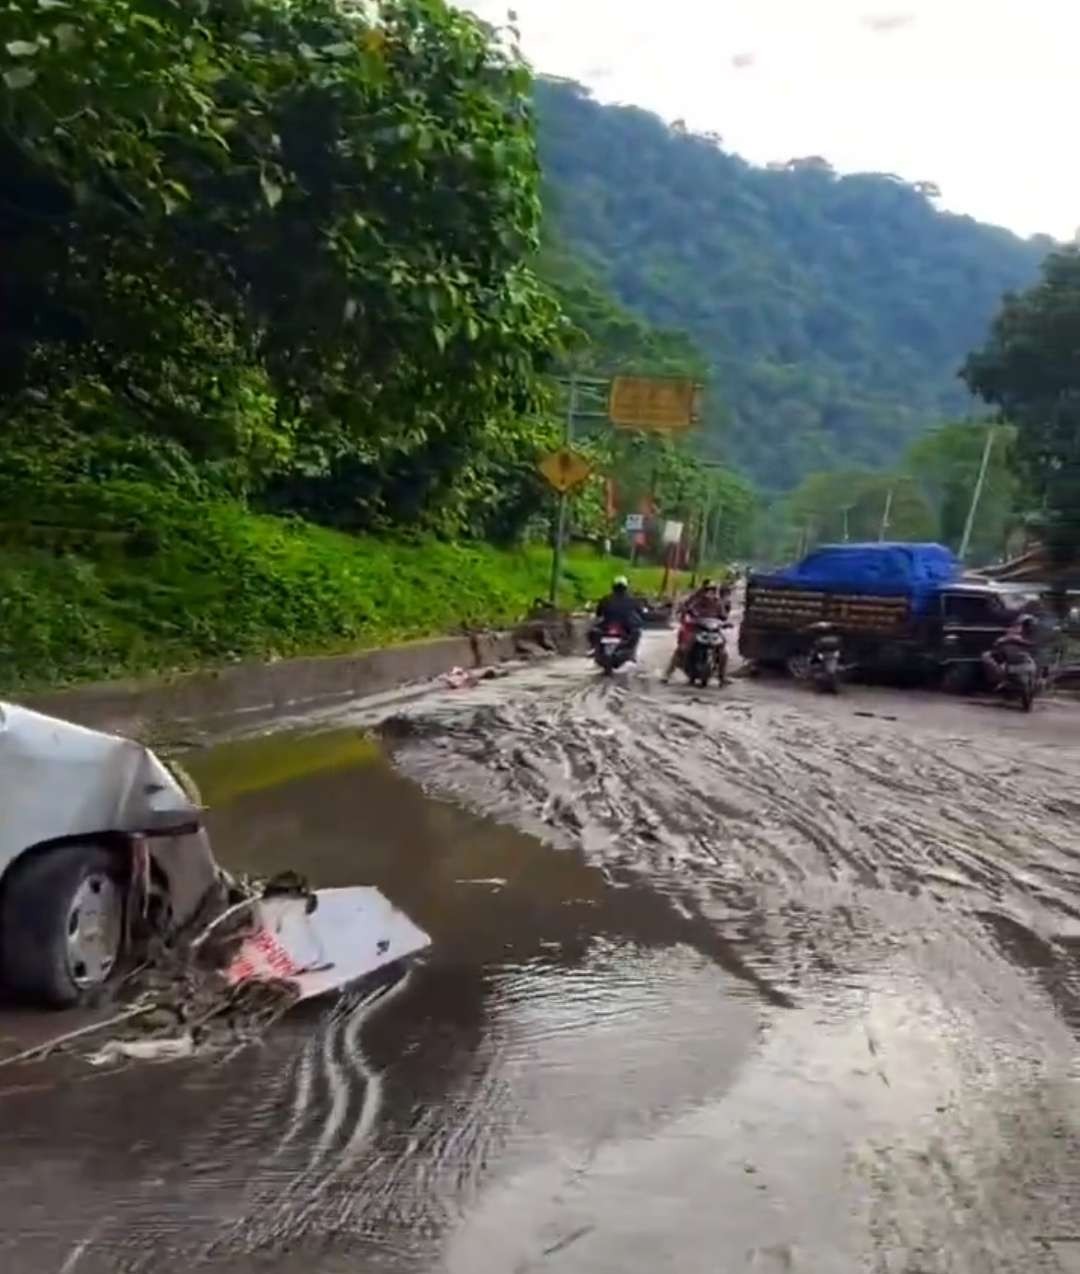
(654, 402)
(564, 469)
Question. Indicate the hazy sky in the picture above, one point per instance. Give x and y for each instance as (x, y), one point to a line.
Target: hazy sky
(980, 96)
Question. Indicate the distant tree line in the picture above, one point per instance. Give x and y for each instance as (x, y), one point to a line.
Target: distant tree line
(834, 312)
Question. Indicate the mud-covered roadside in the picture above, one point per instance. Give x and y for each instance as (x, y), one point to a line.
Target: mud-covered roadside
(778, 983)
(904, 896)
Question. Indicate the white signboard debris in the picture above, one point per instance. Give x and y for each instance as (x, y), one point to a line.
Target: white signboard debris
(347, 935)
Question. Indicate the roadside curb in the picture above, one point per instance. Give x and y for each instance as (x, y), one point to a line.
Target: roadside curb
(257, 688)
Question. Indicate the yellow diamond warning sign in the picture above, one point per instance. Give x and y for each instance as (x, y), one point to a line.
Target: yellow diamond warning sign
(564, 469)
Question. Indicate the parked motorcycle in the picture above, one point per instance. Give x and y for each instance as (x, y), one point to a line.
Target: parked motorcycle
(706, 654)
(613, 646)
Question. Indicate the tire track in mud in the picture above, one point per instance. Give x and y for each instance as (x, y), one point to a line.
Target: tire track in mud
(327, 1103)
(922, 878)
(806, 844)
(338, 1168)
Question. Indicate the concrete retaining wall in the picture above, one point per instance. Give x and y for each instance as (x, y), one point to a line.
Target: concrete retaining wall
(269, 688)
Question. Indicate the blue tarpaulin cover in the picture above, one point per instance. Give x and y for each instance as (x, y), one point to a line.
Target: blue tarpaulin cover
(884, 570)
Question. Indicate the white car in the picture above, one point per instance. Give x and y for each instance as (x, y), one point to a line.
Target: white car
(98, 838)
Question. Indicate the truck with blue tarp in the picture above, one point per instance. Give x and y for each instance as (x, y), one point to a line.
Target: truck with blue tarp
(899, 607)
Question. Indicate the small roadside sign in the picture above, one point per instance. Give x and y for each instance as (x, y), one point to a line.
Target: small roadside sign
(565, 469)
(634, 522)
(663, 403)
(673, 532)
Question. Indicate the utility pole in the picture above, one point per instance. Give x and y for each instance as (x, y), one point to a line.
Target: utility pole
(976, 495)
(703, 543)
(560, 524)
(845, 509)
(885, 514)
(703, 539)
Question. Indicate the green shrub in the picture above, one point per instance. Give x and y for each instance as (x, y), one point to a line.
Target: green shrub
(144, 581)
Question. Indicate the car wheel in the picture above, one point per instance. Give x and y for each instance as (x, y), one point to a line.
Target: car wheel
(62, 924)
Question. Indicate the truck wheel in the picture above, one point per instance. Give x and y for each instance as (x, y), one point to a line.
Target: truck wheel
(61, 924)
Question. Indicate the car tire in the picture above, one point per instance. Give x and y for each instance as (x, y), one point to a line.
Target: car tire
(62, 924)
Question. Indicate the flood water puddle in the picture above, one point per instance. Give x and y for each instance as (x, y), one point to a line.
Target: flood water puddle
(557, 1010)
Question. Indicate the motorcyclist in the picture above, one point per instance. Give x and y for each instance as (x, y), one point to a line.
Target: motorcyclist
(708, 589)
(620, 607)
(709, 602)
(1019, 641)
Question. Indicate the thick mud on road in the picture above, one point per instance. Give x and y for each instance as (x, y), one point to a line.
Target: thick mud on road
(732, 980)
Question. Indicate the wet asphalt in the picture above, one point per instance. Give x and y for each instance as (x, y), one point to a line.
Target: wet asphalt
(736, 980)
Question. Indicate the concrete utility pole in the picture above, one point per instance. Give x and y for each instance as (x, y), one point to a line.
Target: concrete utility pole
(885, 514)
(703, 543)
(564, 499)
(976, 495)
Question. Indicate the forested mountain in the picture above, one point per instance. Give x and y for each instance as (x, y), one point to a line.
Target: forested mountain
(834, 311)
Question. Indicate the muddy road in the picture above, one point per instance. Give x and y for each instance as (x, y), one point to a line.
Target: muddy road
(721, 981)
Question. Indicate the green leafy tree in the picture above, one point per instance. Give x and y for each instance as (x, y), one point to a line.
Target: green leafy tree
(295, 236)
(1030, 369)
(832, 310)
(946, 462)
(852, 504)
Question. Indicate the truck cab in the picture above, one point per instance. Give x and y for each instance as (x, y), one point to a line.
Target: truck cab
(970, 615)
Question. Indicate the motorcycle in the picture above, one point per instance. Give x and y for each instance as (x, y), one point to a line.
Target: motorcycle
(706, 654)
(821, 665)
(1022, 681)
(825, 664)
(613, 646)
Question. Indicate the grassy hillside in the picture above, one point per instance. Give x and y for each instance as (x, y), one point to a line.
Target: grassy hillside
(129, 580)
(834, 311)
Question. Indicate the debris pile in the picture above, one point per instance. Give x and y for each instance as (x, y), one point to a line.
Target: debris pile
(222, 985)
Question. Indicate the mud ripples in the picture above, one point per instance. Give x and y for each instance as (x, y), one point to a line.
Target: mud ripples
(807, 841)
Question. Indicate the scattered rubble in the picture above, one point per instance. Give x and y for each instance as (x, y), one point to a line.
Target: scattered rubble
(277, 943)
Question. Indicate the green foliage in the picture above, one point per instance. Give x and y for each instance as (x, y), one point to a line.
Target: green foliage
(1030, 369)
(825, 505)
(931, 497)
(945, 463)
(834, 311)
(292, 240)
(606, 337)
(283, 257)
(144, 581)
(673, 477)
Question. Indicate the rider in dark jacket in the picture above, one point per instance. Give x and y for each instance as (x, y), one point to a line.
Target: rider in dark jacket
(620, 607)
